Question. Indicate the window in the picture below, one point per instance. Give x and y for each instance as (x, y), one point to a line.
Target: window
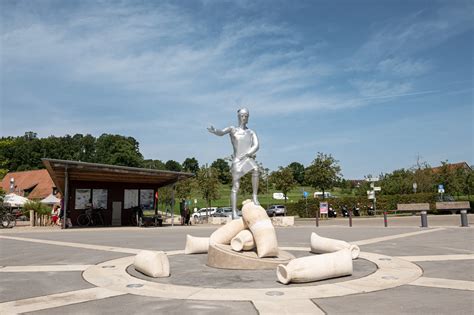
(146, 199)
(85, 196)
(130, 199)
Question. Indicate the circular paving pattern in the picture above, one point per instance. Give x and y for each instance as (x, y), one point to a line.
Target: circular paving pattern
(390, 272)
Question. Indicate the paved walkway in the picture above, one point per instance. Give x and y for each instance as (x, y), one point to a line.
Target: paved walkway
(402, 269)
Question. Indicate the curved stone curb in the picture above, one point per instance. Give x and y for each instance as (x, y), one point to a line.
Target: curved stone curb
(392, 272)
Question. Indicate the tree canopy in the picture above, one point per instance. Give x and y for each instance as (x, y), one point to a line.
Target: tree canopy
(323, 172)
(283, 180)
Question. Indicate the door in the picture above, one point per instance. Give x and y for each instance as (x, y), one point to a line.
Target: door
(116, 213)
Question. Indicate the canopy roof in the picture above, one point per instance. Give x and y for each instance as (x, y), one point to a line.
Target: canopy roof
(82, 171)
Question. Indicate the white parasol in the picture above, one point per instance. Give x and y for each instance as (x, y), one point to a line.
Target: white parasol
(13, 200)
(50, 200)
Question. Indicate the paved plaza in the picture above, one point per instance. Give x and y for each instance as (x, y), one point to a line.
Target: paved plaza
(402, 269)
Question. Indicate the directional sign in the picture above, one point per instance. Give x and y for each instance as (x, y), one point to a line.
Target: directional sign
(377, 188)
(372, 179)
(371, 195)
(305, 194)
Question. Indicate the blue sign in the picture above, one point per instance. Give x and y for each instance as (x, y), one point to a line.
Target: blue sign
(440, 187)
(305, 194)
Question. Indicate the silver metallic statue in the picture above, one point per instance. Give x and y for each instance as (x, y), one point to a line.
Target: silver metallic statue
(245, 143)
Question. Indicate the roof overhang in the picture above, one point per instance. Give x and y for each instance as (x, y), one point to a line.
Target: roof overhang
(82, 171)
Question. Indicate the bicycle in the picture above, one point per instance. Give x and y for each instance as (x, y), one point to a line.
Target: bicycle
(91, 217)
(8, 219)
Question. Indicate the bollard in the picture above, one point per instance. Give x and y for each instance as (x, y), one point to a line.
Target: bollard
(464, 222)
(317, 218)
(385, 222)
(424, 219)
(32, 218)
(350, 218)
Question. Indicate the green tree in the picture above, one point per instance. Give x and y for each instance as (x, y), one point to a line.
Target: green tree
(283, 180)
(154, 164)
(118, 150)
(398, 182)
(246, 184)
(208, 183)
(225, 177)
(191, 165)
(172, 165)
(298, 172)
(323, 172)
(165, 196)
(184, 188)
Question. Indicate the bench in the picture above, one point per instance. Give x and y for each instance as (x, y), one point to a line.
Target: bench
(453, 206)
(423, 208)
(413, 207)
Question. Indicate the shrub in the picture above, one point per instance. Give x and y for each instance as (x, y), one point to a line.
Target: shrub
(384, 202)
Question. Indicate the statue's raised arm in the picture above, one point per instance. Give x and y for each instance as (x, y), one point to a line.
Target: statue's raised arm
(219, 132)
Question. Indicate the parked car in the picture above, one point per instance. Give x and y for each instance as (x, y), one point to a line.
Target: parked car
(204, 212)
(276, 210)
(223, 212)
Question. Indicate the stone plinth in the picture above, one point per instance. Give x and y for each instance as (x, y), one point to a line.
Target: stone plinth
(219, 220)
(283, 221)
(223, 257)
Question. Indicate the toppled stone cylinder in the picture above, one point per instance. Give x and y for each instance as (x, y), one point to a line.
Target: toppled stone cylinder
(258, 222)
(152, 263)
(196, 245)
(243, 241)
(322, 245)
(226, 233)
(316, 267)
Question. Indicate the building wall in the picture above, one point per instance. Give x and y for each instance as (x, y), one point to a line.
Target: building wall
(115, 192)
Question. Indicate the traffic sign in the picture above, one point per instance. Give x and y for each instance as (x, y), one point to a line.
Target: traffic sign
(305, 194)
(377, 188)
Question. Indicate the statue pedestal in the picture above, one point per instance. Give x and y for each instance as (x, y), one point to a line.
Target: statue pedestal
(223, 257)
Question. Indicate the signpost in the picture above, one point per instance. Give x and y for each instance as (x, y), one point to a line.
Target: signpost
(305, 196)
(371, 193)
(441, 191)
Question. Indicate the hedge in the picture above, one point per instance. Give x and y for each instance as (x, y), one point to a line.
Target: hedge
(384, 202)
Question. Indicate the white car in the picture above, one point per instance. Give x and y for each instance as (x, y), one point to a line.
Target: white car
(203, 212)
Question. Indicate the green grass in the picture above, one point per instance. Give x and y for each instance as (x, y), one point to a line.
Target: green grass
(265, 199)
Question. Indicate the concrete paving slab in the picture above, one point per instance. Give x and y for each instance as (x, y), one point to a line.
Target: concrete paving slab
(17, 285)
(133, 304)
(443, 242)
(402, 300)
(451, 269)
(20, 253)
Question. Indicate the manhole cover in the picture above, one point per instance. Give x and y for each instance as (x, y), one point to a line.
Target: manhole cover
(134, 285)
(274, 293)
(109, 266)
(385, 258)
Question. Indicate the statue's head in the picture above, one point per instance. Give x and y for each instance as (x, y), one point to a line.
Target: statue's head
(243, 115)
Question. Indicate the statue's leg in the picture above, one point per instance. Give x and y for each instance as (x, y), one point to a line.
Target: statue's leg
(255, 187)
(233, 197)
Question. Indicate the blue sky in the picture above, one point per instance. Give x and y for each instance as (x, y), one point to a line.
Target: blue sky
(374, 83)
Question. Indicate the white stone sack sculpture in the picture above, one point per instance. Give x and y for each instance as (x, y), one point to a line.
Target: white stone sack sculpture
(243, 241)
(196, 245)
(226, 233)
(316, 267)
(322, 245)
(153, 264)
(257, 220)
